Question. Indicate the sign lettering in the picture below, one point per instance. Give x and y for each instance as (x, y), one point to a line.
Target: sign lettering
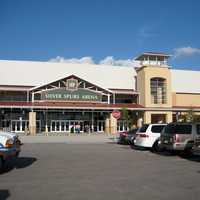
(68, 95)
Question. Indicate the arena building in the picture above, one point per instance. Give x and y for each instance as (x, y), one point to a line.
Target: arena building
(61, 97)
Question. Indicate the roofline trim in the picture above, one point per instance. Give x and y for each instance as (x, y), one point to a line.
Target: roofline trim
(69, 77)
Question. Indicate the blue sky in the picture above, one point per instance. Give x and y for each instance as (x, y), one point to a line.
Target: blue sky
(100, 30)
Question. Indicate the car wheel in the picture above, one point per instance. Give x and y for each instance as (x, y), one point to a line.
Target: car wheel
(132, 142)
(156, 147)
(187, 152)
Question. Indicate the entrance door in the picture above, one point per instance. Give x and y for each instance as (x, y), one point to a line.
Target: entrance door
(55, 126)
(19, 125)
(74, 123)
(122, 126)
(99, 126)
(65, 125)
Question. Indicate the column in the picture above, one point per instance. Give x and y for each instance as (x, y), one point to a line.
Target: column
(113, 124)
(32, 123)
(107, 125)
(147, 117)
(139, 122)
(169, 117)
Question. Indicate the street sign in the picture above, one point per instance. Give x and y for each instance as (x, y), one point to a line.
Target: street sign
(116, 114)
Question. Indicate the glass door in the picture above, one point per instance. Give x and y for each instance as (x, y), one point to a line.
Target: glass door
(19, 125)
(121, 126)
(100, 126)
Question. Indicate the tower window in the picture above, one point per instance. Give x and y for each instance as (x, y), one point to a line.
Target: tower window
(158, 91)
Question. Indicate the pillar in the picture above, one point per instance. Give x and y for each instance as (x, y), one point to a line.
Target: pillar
(139, 122)
(113, 124)
(147, 117)
(32, 123)
(169, 117)
(107, 125)
(46, 129)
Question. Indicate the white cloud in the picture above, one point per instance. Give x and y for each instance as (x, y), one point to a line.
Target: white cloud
(109, 60)
(185, 51)
(85, 60)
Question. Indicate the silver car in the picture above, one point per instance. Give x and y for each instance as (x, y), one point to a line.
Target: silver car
(180, 136)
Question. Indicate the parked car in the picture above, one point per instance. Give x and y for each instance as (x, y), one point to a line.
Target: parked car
(180, 136)
(126, 137)
(9, 147)
(148, 136)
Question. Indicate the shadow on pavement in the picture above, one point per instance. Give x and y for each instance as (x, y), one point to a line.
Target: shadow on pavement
(165, 153)
(137, 148)
(189, 157)
(193, 157)
(4, 194)
(18, 163)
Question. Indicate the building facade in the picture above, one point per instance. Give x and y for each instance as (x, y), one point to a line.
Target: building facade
(62, 97)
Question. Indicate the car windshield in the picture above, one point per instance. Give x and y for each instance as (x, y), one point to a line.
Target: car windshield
(178, 129)
(143, 128)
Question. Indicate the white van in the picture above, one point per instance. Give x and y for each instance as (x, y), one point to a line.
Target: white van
(148, 136)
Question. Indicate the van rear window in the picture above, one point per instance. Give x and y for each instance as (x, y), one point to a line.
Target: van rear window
(198, 129)
(157, 128)
(178, 129)
(143, 128)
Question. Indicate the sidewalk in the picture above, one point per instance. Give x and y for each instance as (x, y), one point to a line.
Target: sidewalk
(72, 139)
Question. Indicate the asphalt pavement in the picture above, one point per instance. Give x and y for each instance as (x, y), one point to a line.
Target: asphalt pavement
(72, 139)
(97, 171)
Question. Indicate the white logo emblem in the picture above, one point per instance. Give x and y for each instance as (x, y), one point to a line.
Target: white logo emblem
(72, 84)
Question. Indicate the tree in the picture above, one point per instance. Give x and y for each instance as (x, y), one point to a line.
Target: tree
(190, 116)
(125, 115)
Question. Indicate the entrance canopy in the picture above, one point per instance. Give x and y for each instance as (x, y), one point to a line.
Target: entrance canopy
(71, 89)
(69, 105)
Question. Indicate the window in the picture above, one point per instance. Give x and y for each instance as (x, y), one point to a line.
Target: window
(158, 91)
(178, 129)
(198, 129)
(157, 129)
(143, 128)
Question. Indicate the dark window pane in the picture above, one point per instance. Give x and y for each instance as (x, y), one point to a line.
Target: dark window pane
(198, 129)
(157, 129)
(183, 129)
(143, 128)
(178, 129)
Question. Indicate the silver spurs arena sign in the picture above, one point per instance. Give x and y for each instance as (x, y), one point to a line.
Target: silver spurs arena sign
(71, 93)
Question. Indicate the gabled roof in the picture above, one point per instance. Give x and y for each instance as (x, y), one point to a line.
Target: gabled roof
(69, 77)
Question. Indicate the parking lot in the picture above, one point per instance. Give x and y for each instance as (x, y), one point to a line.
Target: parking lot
(99, 171)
